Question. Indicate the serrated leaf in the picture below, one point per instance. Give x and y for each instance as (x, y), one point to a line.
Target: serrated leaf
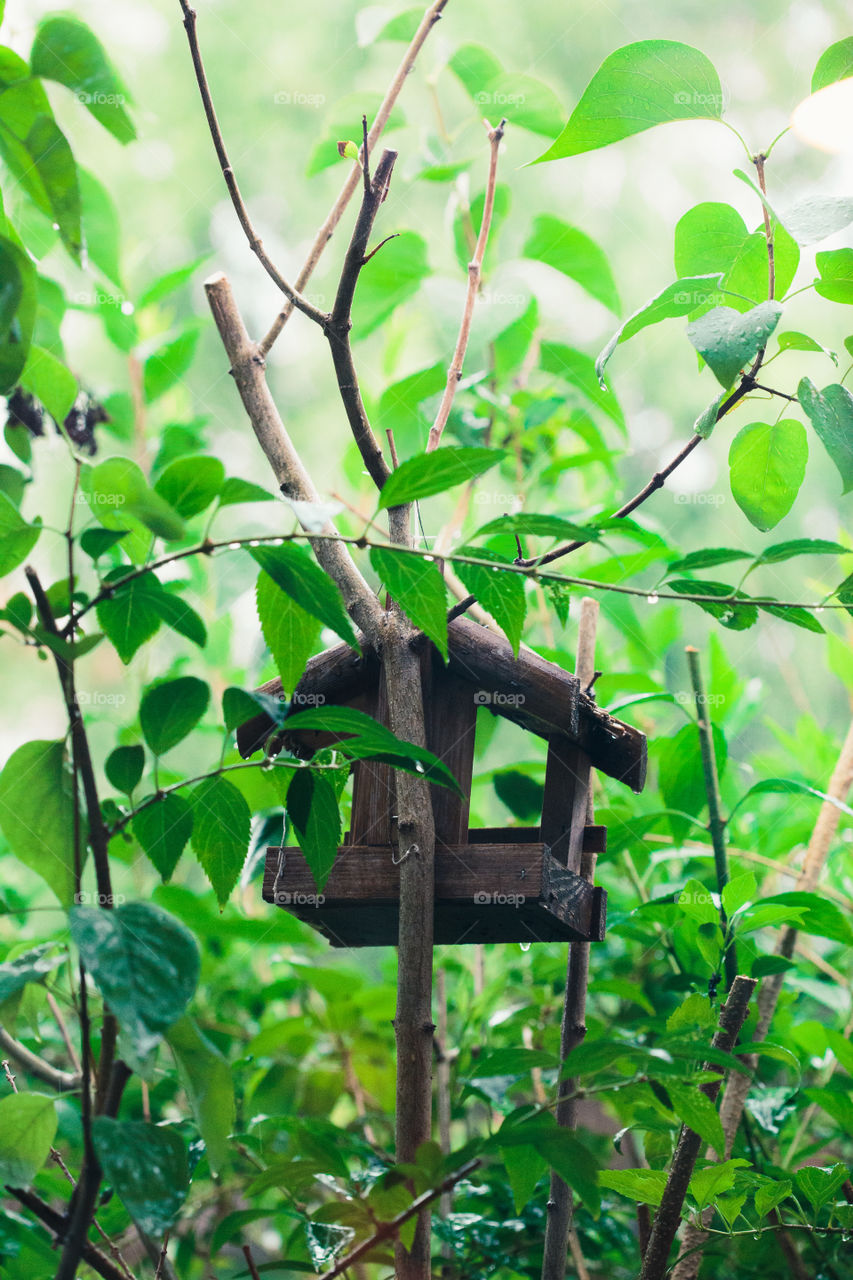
(177, 614)
(767, 465)
(17, 537)
(147, 1166)
(436, 472)
(129, 617)
(708, 558)
(292, 569)
(738, 892)
(163, 828)
(206, 1077)
(144, 962)
(831, 414)
(124, 767)
(715, 1179)
(646, 1186)
(734, 610)
(190, 485)
(169, 711)
(640, 85)
(525, 1166)
(500, 593)
(820, 1185)
(291, 634)
(698, 1113)
(117, 487)
(235, 491)
(221, 826)
(800, 547)
(728, 339)
(417, 586)
(770, 1195)
(312, 808)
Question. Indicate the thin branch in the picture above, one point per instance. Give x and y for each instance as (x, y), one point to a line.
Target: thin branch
(339, 324)
(668, 1216)
(475, 268)
(326, 231)
(63, 1030)
(759, 162)
(56, 1222)
(387, 1230)
(294, 481)
(573, 1026)
(255, 244)
(716, 822)
(59, 1081)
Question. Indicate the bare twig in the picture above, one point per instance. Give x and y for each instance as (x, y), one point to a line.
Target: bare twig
(326, 231)
(573, 1027)
(60, 1081)
(161, 1260)
(759, 162)
(250, 1262)
(716, 822)
(285, 462)
(668, 1216)
(255, 244)
(56, 1223)
(475, 268)
(387, 1230)
(339, 324)
(63, 1030)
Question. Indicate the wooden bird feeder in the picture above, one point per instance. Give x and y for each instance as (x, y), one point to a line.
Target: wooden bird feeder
(495, 884)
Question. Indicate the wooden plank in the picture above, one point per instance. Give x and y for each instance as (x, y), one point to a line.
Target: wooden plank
(373, 786)
(451, 718)
(564, 804)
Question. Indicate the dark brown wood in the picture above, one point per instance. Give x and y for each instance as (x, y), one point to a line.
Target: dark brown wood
(536, 694)
(451, 715)
(483, 893)
(373, 785)
(565, 802)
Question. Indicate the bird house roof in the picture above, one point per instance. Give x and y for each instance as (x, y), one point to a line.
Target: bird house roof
(538, 695)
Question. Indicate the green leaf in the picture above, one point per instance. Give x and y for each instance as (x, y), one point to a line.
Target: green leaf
(97, 542)
(206, 1077)
(167, 365)
(836, 275)
(715, 1179)
(27, 1129)
(580, 371)
(431, 473)
(572, 252)
(738, 892)
(525, 1166)
(831, 414)
(475, 65)
(371, 740)
(640, 85)
(130, 616)
(147, 1166)
(100, 226)
(800, 547)
(235, 491)
(538, 526)
(417, 586)
(727, 340)
(511, 1062)
(189, 485)
(177, 614)
(820, 1185)
(118, 487)
(712, 237)
(144, 962)
(646, 1186)
(163, 829)
(521, 794)
(18, 302)
(295, 573)
(37, 813)
(795, 616)
(221, 824)
(734, 616)
(50, 381)
(30, 966)
(37, 152)
(500, 593)
(390, 278)
(67, 51)
(815, 218)
(767, 465)
(17, 538)
(770, 1195)
(677, 299)
(697, 902)
(792, 340)
(170, 282)
(124, 767)
(698, 1112)
(238, 706)
(680, 776)
(835, 63)
(312, 808)
(820, 917)
(706, 559)
(170, 709)
(291, 634)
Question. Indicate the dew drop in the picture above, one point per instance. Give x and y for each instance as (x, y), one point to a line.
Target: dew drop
(819, 609)
(127, 308)
(525, 946)
(234, 546)
(653, 598)
(255, 542)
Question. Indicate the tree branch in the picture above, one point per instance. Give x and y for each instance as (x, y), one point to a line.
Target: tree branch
(248, 371)
(56, 1222)
(326, 231)
(255, 244)
(53, 1077)
(339, 325)
(668, 1216)
(475, 268)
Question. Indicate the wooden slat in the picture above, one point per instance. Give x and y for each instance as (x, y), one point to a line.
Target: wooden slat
(451, 716)
(564, 804)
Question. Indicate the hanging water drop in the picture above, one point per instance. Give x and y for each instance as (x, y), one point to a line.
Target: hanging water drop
(525, 946)
(652, 598)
